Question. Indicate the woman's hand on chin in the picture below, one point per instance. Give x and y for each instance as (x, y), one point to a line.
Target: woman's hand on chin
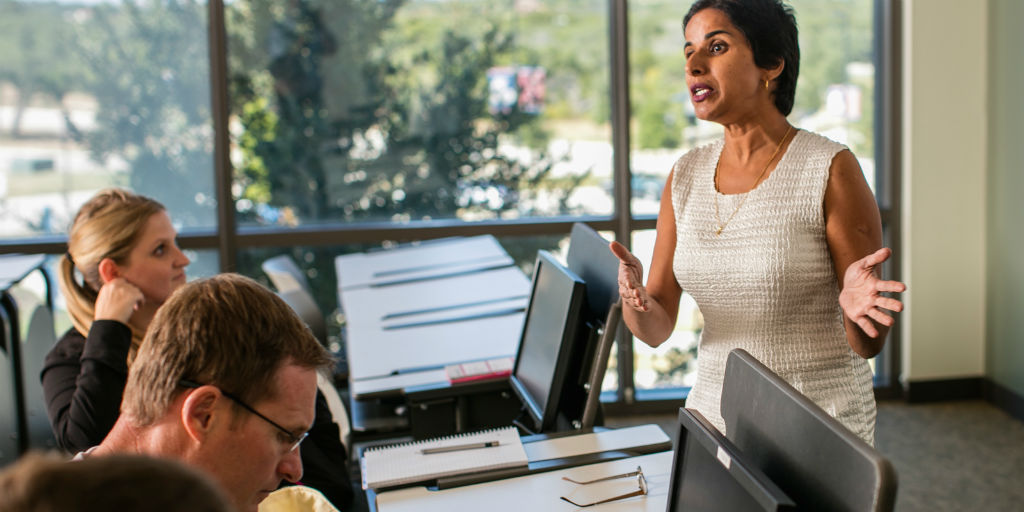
(117, 300)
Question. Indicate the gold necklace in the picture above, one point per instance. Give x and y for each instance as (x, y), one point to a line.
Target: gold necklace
(718, 219)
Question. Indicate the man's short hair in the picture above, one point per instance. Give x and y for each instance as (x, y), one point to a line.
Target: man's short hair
(228, 331)
(48, 483)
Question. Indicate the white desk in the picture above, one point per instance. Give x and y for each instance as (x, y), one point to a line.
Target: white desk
(436, 299)
(14, 267)
(373, 352)
(539, 491)
(391, 385)
(418, 261)
(414, 309)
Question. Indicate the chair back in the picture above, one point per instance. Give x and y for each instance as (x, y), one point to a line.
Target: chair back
(26, 335)
(337, 407)
(293, 287)
(38, 341)
(285, 274)
(9, 444)
(304, 306)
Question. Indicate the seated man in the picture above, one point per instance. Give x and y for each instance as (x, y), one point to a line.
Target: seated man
(225, 381)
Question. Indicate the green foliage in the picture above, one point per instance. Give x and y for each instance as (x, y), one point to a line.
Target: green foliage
(148, 72)
(657, 74)
(252, 173)
(865, 146)
(33, 43)
(659, 117)
(414, 141)
(831, 35)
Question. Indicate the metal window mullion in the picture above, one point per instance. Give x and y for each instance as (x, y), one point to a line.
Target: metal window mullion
(887, 37)
(226, 226)
(620, 108)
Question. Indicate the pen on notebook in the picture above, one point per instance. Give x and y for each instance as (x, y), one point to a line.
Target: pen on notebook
(458, 447)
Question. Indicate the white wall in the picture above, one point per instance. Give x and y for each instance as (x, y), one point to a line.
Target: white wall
(945, 79)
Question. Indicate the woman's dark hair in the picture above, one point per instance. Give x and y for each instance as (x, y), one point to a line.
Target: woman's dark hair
(770, 28)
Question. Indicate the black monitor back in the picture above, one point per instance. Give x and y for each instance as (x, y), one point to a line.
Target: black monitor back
(710, 474)
(547, 363)
(591, 259)
(816, 460)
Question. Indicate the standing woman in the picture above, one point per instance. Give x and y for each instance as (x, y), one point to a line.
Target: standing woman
(123, 246)
(772, 229)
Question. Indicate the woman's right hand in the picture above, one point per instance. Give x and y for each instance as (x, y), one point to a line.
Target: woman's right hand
(117, 300)
(631, 275)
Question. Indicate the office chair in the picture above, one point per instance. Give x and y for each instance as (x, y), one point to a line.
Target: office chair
(9, 444)
(338, 411)
(27, 335)
(40, 338)
(294, 289)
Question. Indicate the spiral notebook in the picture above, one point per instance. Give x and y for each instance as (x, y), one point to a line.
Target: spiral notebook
(445, 456)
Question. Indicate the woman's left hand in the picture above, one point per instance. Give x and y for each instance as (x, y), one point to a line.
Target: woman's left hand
(861, 297)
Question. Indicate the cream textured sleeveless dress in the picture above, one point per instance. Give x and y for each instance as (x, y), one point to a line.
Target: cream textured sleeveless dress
(766, 284)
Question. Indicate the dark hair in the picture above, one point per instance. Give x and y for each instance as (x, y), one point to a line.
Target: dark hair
(770, 29)
(48, 483)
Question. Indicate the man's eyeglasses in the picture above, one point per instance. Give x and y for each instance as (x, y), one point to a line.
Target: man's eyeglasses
(293, 439)
(640, 481)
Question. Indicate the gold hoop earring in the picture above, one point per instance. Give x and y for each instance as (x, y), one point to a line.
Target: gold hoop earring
(766, 84)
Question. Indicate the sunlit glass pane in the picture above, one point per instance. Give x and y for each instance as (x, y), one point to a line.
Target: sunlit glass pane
(425, 109)
(98, 94)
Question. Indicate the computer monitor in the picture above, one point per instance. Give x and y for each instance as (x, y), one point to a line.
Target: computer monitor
(816, 460)
(709, 473)
(590, 258)
(550, 334)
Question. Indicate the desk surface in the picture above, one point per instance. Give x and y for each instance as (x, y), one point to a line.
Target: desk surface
(14, 267)
(424, 260)
(392, 385)
(539, 491)
(412, 310)
(418, 308)
(373, 352)
(436, 299)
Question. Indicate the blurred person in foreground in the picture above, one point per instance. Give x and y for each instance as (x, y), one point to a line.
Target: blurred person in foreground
(772, 229)
(48, 483)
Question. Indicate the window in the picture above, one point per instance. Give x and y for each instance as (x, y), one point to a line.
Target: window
(334, 126)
